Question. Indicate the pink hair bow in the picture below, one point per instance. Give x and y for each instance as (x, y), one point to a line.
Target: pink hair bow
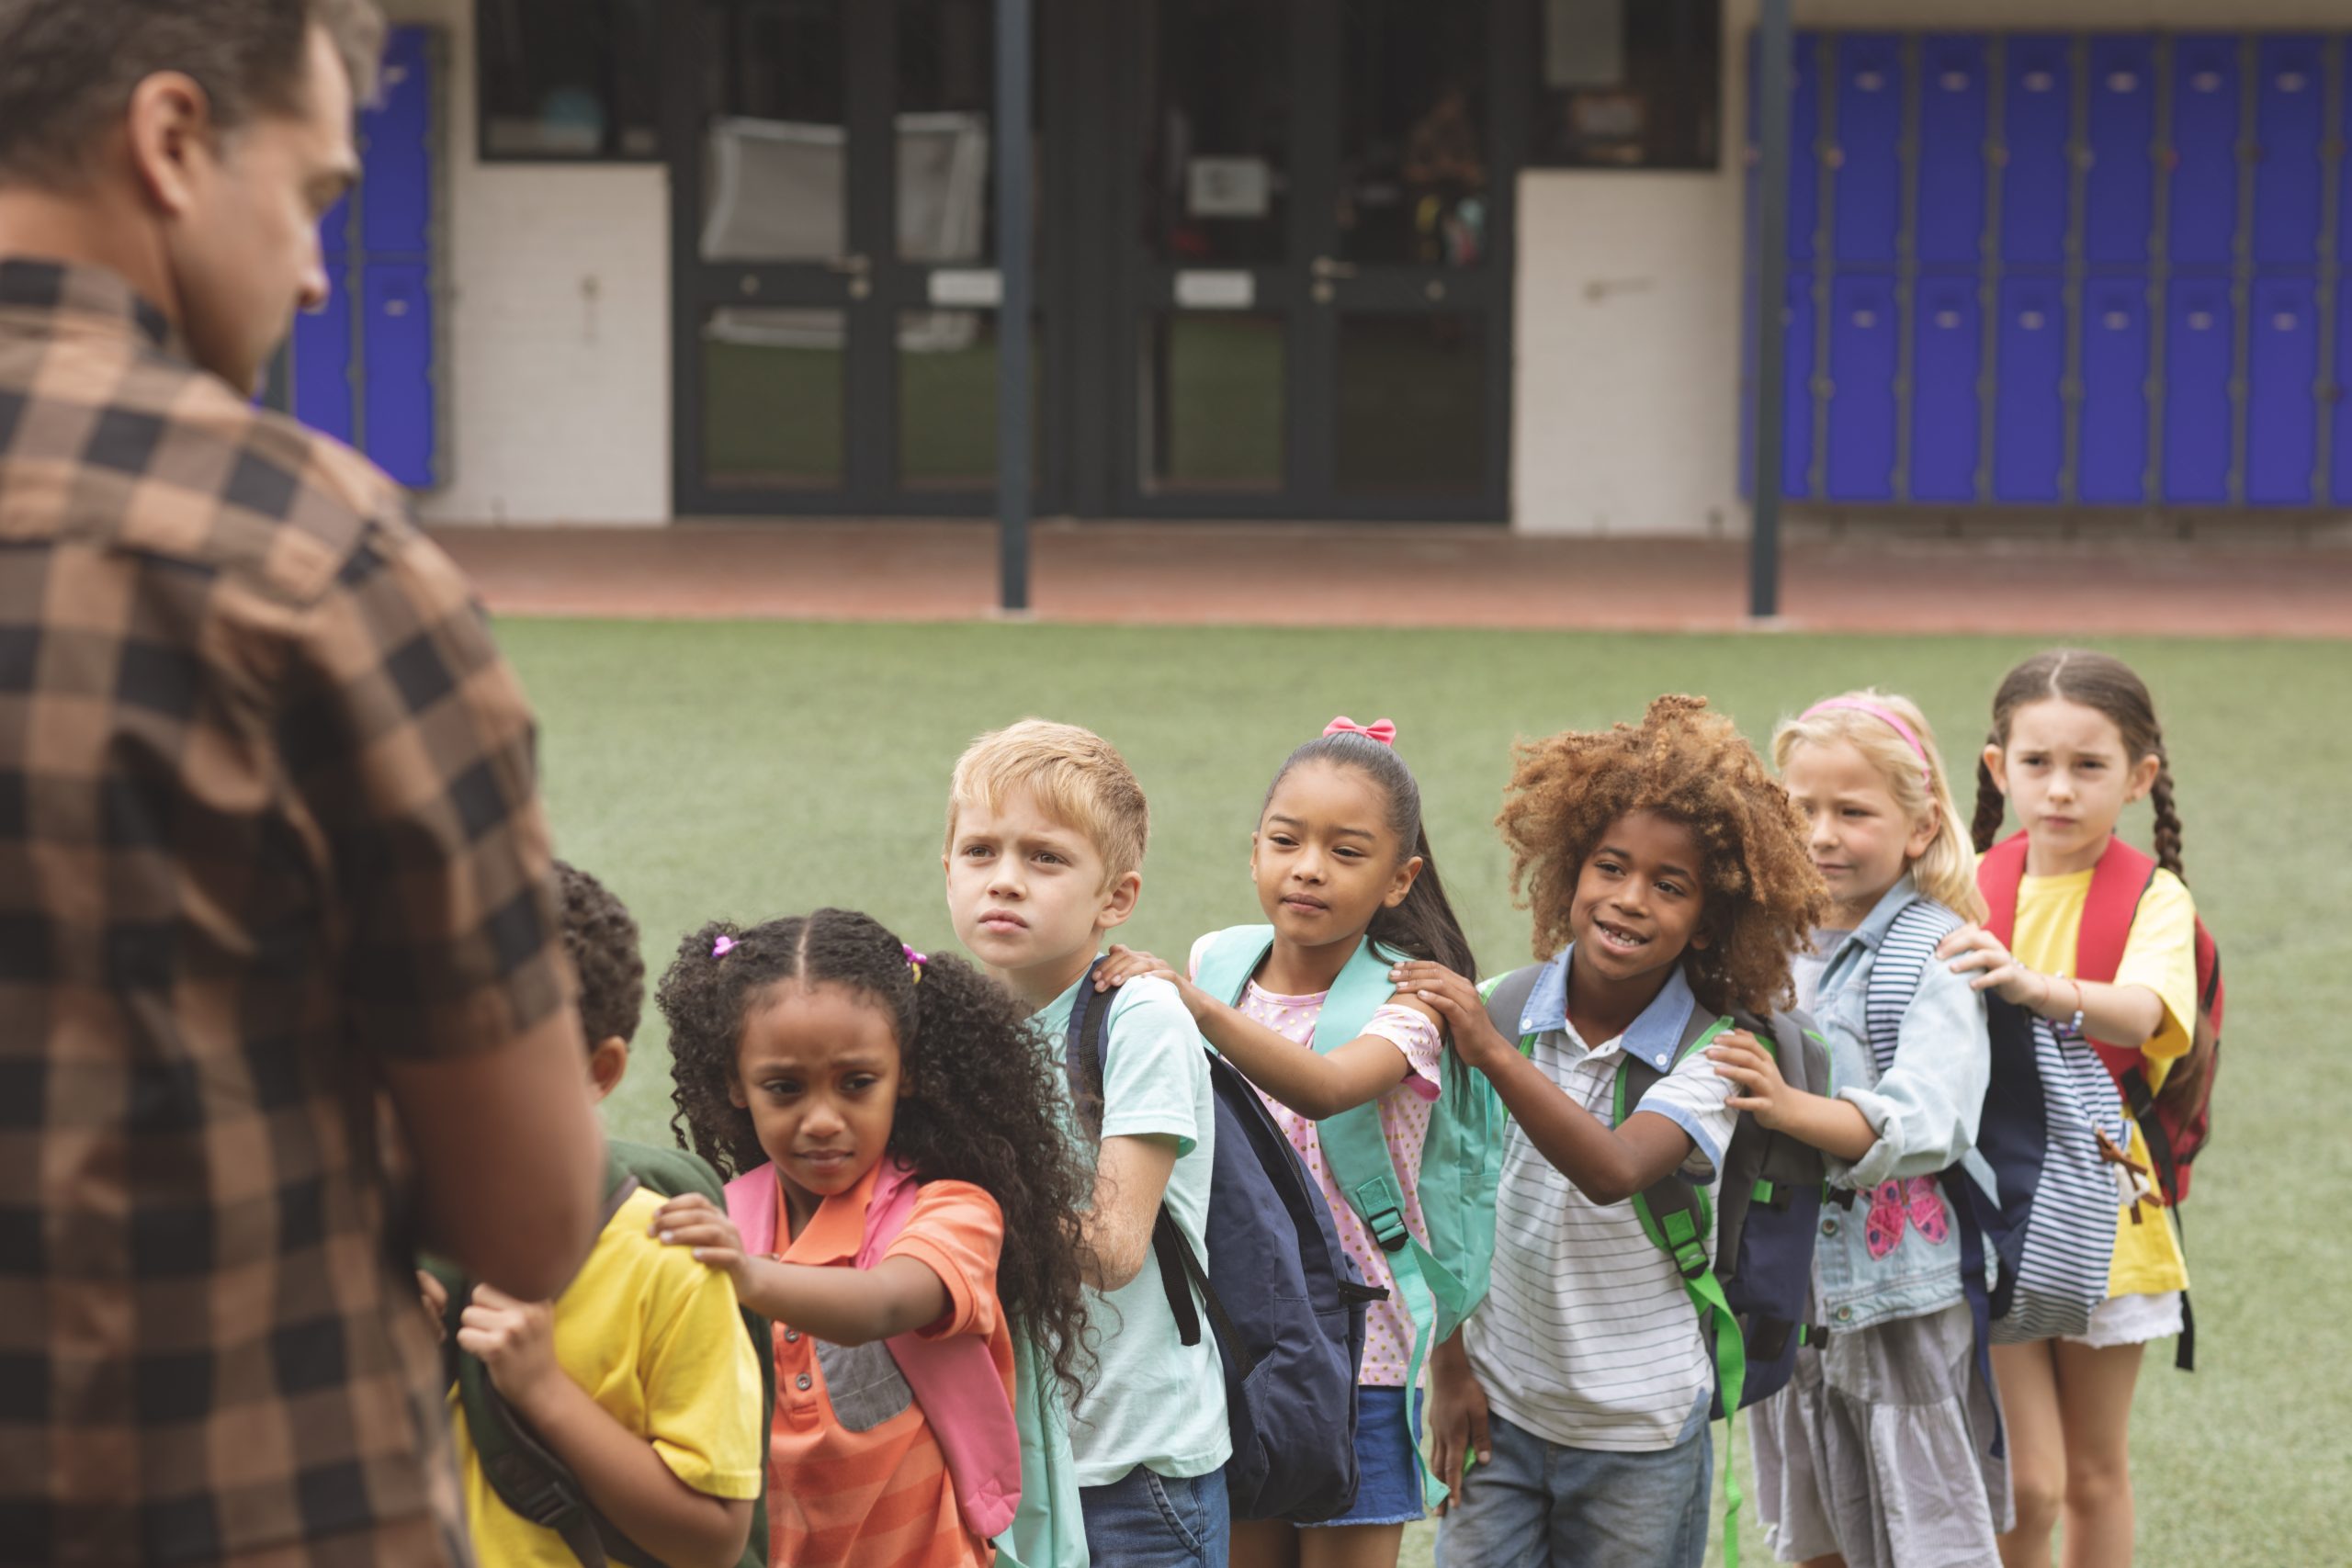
(722, 947)
(1381, 729)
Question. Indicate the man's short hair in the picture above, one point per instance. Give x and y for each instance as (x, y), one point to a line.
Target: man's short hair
(601, 937)
(1077, 778)
(68, 67)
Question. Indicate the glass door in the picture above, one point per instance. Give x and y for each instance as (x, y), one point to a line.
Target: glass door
(831, 173)
(1318, 284)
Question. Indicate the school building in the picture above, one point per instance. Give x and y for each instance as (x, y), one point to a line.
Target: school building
(625, 261)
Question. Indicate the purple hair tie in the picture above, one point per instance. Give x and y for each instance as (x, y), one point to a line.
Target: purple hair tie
(915, 961)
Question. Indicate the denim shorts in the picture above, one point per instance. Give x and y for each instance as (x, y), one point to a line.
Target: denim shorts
(1147, 1520)
(1388, 1488)
(1542, 1502)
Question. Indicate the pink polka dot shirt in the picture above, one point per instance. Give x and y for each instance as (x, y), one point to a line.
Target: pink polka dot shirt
(1404, 1120)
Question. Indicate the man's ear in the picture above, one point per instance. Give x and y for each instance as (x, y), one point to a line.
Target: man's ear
(1407, 871)
(1119, 901)
(168, 127)
(607, 1061)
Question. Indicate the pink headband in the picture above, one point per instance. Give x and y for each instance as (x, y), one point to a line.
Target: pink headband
(1885, 716)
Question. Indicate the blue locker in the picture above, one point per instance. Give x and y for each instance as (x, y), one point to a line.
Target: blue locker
(320, 362)
(403, 418)
(1868, 218)
(2340, 401)
(2113, 460)
(1863, 352)
(1947, 415)
(2037, 120)
(2029, 402)
(1796, 427)
(2290, 122)
(1804, 152)
(2119, 180)
(2202, 230)
(2282, 405)
(2199, 344)
(2344, 167)
(396, 138)
(1953, 103)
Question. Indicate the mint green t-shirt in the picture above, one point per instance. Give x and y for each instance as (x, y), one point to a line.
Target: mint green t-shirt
(1155, 1402)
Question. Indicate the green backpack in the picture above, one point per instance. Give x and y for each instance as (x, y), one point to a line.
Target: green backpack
(1442, 1283)
(527, 1475)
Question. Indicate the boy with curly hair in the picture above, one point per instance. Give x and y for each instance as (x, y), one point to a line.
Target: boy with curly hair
(1668, 872)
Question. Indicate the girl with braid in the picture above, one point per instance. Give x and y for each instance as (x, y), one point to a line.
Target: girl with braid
(2075, 740)
(906, 1209)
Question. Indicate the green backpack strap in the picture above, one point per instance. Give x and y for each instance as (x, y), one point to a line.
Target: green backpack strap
(1680, 1221)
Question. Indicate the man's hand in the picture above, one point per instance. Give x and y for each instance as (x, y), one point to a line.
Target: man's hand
(1456, 1415)
(517, 1341)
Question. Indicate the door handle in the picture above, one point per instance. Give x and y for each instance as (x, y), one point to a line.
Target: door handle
(1327, 267)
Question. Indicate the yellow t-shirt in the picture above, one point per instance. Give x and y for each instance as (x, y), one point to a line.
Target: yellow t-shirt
(657, 1340)
(2160, 953)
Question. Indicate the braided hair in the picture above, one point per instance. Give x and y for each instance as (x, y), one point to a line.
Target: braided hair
(981, 1102)
(2105, 685)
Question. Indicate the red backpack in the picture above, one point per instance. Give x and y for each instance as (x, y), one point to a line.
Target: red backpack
(2177, 1120)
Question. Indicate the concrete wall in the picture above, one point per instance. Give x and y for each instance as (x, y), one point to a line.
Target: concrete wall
(1625, 412)
(557, 326)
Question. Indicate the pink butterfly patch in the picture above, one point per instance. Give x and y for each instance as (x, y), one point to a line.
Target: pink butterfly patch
(1891, 1202)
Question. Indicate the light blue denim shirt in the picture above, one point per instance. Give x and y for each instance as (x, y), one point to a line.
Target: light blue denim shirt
(1924, 1110)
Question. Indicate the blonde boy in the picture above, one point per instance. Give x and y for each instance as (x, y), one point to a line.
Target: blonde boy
(1045, 834)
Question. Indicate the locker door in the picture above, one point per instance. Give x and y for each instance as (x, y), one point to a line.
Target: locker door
(2199, 328)
(396, 201)
(2290, 114)
(402, 428)
(2202, 230)
(1947, 416)
(2114, 445)
(2029, 404)
(1953, 107)
(2340, 400)
(1869, 154)
(2282, 407)
(320, 361)
(1796, 443)
(1804, 152)
(2036, 119)
(1863, 352)
(2119, 184)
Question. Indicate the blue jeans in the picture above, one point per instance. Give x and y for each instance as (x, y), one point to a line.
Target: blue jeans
(1543, 1504)
(1147, 1520)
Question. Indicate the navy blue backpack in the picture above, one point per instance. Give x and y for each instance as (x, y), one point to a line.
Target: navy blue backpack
(1292, 1339)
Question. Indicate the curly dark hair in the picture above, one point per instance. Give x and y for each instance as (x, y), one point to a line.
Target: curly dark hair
(600, 935)
(982, 1101)
(1762, 896)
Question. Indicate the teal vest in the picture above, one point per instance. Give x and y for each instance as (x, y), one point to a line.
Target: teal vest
(1442, 1283)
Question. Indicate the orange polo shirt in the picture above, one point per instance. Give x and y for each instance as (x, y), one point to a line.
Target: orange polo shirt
(856, 1476)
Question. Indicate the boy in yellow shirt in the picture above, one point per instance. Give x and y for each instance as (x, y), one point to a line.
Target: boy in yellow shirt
(639, 1379)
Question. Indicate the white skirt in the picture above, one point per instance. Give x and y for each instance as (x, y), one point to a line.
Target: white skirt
(2131, 1320)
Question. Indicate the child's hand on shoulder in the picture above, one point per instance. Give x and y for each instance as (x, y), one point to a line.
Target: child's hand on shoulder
(1991, 966)
(1459, 1007)
(1757, 1087)
(515, 1339)
(694, 1220)
(1126, 963)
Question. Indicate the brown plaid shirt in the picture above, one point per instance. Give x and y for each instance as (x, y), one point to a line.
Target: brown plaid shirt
(267, 812)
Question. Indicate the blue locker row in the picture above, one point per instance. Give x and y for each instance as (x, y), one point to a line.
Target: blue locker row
(2038, 148)
(364, 369)
(2072, 394)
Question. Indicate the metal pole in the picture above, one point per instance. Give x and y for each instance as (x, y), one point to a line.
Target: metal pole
(1017, 290)
(1772, 66)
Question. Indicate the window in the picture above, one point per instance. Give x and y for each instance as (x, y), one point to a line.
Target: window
(569, 80)
(1628, 85)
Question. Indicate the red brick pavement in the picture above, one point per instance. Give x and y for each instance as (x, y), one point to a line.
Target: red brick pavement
(1289, 574)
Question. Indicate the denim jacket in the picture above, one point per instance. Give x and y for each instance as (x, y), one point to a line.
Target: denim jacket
(1924, 1110)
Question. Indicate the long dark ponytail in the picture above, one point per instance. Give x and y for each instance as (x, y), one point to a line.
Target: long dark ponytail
(1423, 924)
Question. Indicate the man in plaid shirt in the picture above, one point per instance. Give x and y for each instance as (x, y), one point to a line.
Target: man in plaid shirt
(276, 913)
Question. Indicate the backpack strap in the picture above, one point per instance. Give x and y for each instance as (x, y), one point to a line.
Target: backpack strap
(1085, 1057)
(524, 1473)
(1507, 1001)
(1999, 871)
(1901, 963)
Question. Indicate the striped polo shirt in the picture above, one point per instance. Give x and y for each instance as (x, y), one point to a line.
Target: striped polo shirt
(1587, 1337)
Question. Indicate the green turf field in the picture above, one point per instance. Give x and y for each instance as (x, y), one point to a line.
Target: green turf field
(756, 770)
